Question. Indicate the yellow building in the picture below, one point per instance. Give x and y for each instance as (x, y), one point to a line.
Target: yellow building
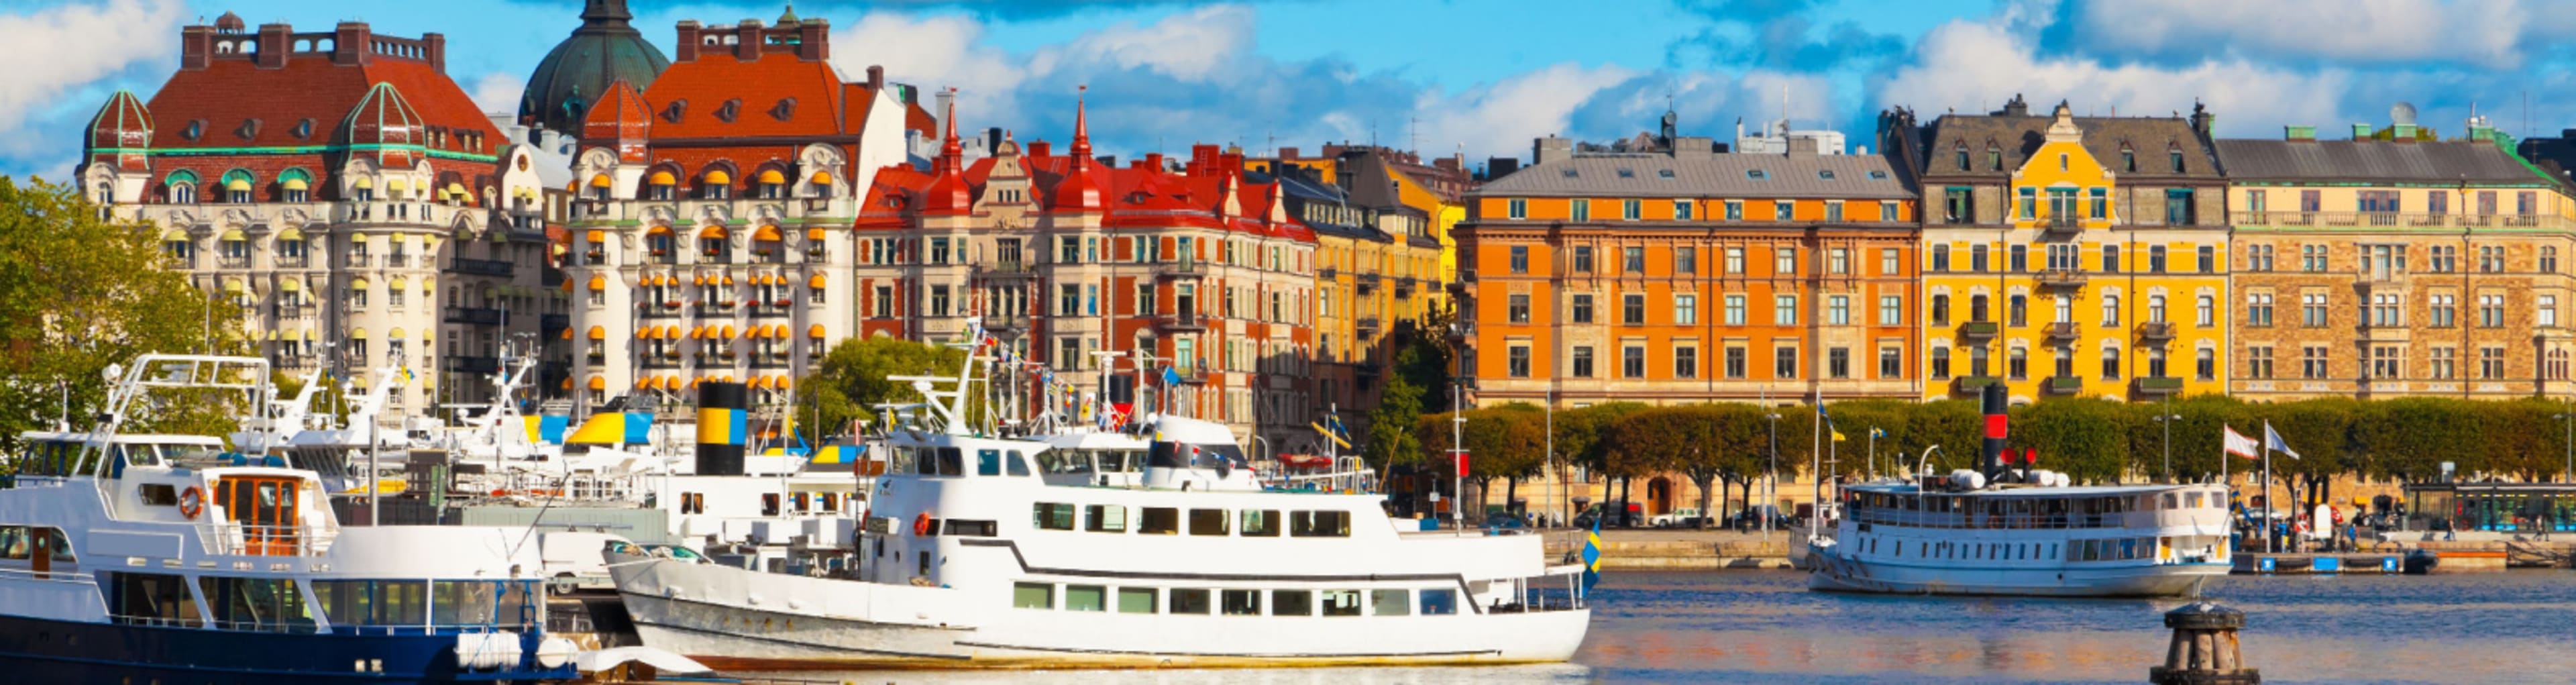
(2070, 256)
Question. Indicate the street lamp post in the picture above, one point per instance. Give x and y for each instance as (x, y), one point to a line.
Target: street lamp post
(1771, 484)
(2167, 418)
(2568, 418)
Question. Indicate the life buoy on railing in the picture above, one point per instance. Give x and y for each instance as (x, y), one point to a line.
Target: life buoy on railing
(921, 523)
(191, 501)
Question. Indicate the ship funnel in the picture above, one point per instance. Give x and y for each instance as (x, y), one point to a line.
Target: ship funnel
(1998, 426)
(721, 425)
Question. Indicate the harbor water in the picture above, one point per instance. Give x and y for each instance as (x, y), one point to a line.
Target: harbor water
(1766, 627)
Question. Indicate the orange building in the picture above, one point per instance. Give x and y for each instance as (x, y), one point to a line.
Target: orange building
(1685, 275)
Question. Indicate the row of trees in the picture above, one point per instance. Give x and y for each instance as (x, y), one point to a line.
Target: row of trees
(2094, 441)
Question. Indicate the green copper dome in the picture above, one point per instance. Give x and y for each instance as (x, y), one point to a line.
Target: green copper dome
(580, 68)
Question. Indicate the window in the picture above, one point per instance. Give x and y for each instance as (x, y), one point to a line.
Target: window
(1834, 211)
(2385, 309)
(2443, 362)
(2156, 308)
(2312, 310)
(1734, 210)
(1319, 524)
(1735, 260)
(1735, 362)
(1517, 208)
(2028, 205)
(1685, 362)
(1292, 603)
(1891, 310)
(1240, 602)
(1681, 209)
(2312, 258)
(1959, 205)
(2017, 310)
(1632, 361)
(2445, 258)
(1390, 602)
(1784, 311)
(1632, 309)
(1341, 602)
(1053, 516)
(2445, 310)
(2258, 362)
(1582, 308)
(2155, 259)
(2017, 258)
(1838, 260)
(2490, 259)
(2258, 309)
(2176, 155)
(2111, 259)
(2111, 364)
(1785, 261)
(2385, 362)
(1583, 259)
(2549, 260)
(2110, 311)
(1685, 261)
(2178, 204)
(1632, 260)
(1784, 363)
(1940, 258)
(1441, 602)
(1520, 308)
(2258, 258)
(1033, 595)
(1685, 310)
(1891, 363)
(1631, 209)
(1582, 361)
(1838, 362)
(1735, 310)
(1838, 310)
(2545, 314)
(1941, 310)
(1977, 258)
(1784, 210)
(2491, 363)
(1519, 358)
(1086, 598)
(1940, 363)
(1582, 210)
(1190, 601)
(1520, 259)
(2312, 362)
(2491, 311)
(1136, 600)
(1104, 518)
(2017, 363)
(2206, 307)
(1994, 158)
(1887, 262)
(1159, 521)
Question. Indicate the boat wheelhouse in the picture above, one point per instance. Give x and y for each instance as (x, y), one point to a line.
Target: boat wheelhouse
(160, 557)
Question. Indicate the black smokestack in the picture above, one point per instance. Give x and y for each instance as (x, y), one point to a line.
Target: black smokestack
(721, 425)
(1998, 426)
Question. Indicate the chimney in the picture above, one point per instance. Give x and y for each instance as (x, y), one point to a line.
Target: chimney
(1550, 149)
(274, 41)
(2299, 134)
(747, 40)
(876, 77)
(196, 47)
(435, 51)
(2403, 133)
(1291, 153)
(939, 114)
(1203, 159)
(2203, 121)
(2360, 131)
(1154, 161)
(1039, 148)
(1498, 167)
(686, 50)
(349, 43)
(814, 39)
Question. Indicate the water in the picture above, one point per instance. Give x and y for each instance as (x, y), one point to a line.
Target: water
(1765, 627)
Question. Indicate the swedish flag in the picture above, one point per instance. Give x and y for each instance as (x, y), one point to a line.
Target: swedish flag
(1592, 558)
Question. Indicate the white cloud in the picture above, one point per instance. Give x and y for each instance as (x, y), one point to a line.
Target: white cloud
(1972, 67)
(1189, 46)
(63, 49)
(2485, 33)
(933, 52)
(1505, 115)
(498, 92)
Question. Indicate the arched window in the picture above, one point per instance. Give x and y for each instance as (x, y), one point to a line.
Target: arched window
(2156, 308)
(661, 185)
(1940, 363)
(1941, 310)
(295, 185)
(2110, 363)
(1977, 308)
(237, 186)
(2110, 311)
(771, 184)
(2020, 310)
(2017, 363)
(182, 187)
(715, 184)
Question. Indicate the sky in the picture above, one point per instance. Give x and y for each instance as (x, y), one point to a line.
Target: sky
(1479, 77)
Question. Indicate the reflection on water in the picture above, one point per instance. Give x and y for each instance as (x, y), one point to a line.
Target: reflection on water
(1766, 627)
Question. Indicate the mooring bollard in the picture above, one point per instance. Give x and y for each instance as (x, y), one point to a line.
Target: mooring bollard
(2204, 649)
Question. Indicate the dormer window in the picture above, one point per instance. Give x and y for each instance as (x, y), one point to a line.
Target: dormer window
(249, 129)
(1962, 152)
(1663, 173)
(2176, 154)
(303, 129)
(1757, 174)
(1876, 175)
(1994, 157)
(2128, 158)
(673, 112)
(1627, 173)
(1825, 174)
(195, 129)
(784, 110)
(1569, 172)
(727, 111)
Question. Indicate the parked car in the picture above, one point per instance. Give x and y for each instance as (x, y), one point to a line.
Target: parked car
(1751, 518)
(1598, 512)
(1685, 517)
(1499, 521)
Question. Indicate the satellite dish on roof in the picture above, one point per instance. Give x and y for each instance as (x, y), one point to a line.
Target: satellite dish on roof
(2403, 114)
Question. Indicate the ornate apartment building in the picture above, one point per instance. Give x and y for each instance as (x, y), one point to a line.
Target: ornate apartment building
(2069, 256)
(339, 192)
(2396, 264)
(710, 235)
(1686, 275)
(1376, 268)
(1065, 256)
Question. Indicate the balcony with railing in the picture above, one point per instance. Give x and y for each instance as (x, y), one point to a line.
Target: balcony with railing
(1367, 325)
(1978, 330)
(2156, 332)
(1967, 385)
(1181, 322)
(1006, 322)
(2061, 225)
(481, 267)
(1187, 268)
(358, 259)
(293, 261)
(2064, 330)
(2062, 385)
(2062, 278)
(232, 261)
(478, 316)
(1012, 268)
(397, 261)
(2159, 385)
(2397, 220)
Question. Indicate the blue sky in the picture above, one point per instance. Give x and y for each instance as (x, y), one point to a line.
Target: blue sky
(1483, 76)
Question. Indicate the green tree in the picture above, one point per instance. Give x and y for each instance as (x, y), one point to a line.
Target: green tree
(1392, 426)
(80, 294)
(2409, 438)
(2086, 438)
(857, 375)
(1507, 442)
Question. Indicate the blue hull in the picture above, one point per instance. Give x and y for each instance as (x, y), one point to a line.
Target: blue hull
(48, 651)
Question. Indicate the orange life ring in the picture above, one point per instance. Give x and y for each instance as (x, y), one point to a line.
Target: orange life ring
(191, 501)
(921, 523)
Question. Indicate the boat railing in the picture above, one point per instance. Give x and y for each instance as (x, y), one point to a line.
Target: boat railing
(265, 541)
(1964, 520)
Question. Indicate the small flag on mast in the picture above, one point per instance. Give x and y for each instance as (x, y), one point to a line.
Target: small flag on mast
(2239, 445)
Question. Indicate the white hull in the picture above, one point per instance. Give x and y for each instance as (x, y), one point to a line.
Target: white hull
(1831, 572)
(738, 619)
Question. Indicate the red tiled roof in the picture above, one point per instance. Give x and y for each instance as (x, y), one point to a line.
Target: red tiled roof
(702, 86)
(229, 92)
(622, 114)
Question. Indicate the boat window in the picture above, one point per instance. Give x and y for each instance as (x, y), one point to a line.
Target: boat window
(1135, 461)
(2171, 499)
(1086, 598)
(952, 462)
(1019, 465)
(902, 462)
(1053, 516)
(1207, 522)
(152, 599)
(1190, 602)
(461, 603)
(1439, 602)
(254, 603)
(1067, 461)
(1341, 602)
(1260, 523)
(1391, 602)
(972, 527)
(1105, 518)
(14, 542)
(1292, 603)
(1319, 524)
(1033, 595)
(1160, 521)
(988, 462)
(1136, 600)
(141, 455)
(1240, 602)
(769, 504)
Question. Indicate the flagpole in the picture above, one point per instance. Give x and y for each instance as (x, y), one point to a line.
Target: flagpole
(1873, 453)
(2270, 545)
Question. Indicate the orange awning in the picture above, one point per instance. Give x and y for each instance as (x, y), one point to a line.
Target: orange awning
(598, 382)
(815, 234)
(815, 282)
(780, 382)
(821, 178)
(598, 237)
(772, 176)
(663, 178)
(728, 331)
(598, 282)
(815, 332)
(599, 332)
(766, 232)
(567, 334)
(599, 181)
(718, 177)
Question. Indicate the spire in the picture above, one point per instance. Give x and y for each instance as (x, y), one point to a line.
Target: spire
(790, 17)
(1081, 126)
(952, 150)
(605, 12)
(1079, 190)
(949, 193)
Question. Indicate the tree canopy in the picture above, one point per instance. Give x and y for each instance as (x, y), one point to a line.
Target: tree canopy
(857, 375)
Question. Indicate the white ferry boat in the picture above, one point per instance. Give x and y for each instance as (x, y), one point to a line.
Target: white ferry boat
(2029, 533)
(984, 552)
(161, 558)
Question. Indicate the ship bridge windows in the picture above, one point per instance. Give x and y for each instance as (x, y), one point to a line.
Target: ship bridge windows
(351, 603)
(1439, 602)
(1207, 522)
(1260, 523)
(1104, 518)
(151, 599)
(255, 604)
(1160, 521)
(1033, 595)
(971, 527)
(1341, 603)
(482, 604)
(1086, 598)
(1240, 602)
(1319, 524)
(1052, 516)
(1292, 602)
(1190, 601)
(1393, 602)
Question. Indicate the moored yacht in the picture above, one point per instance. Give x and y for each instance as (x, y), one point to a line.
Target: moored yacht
(988, 552)
(162, 558)
(2026, 531)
